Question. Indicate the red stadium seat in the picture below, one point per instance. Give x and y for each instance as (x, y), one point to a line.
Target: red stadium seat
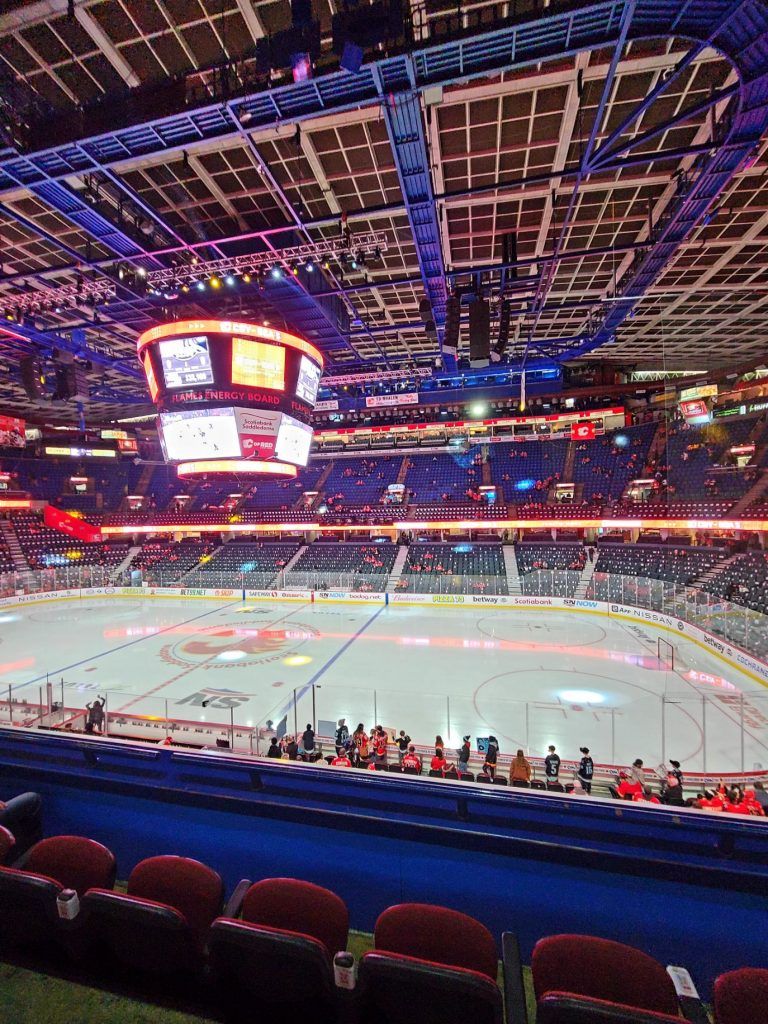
(280, 954)
(439, 963)
(581, 968)
(561, 1009)
(75, 863)
(160, 926)
(741, 997)
(7, 842)
(28, 912)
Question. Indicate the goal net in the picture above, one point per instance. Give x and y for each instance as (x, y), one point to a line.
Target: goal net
(665, 652)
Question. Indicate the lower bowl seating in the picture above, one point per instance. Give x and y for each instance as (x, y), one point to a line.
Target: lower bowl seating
(459, 568)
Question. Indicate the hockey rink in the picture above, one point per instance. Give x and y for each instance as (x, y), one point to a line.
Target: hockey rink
(529, 677)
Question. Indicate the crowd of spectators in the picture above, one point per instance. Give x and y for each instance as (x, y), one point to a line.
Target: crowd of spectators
(376, 749)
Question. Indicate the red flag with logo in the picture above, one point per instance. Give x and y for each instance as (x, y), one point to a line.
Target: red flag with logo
(76, 528)
(582, 432)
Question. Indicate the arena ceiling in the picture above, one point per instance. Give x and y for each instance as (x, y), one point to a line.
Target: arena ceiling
(505, 153)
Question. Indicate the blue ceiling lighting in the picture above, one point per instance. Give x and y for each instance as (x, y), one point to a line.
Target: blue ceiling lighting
(405, 127)
(318, 302)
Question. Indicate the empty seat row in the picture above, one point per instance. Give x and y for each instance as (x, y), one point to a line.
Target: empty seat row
(271, 948)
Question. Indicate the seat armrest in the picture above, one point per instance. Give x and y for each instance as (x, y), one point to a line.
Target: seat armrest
(235, 901)
(687, 995)
(515, 1010)
(693, 1010)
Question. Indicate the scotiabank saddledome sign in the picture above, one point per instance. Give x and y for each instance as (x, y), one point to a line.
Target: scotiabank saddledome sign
(227, 390)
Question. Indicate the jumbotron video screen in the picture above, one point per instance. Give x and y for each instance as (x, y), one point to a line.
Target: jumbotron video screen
(231, 391)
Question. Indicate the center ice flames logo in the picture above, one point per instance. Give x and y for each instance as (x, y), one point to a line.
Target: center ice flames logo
(235, 646)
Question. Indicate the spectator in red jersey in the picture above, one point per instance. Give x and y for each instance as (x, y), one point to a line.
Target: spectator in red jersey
(439, 763)
(412, 759)
(360, 740)
(341, 761)
(646, 795)
(710, 801)
(627, 788)
(754, 806)
(379, 746)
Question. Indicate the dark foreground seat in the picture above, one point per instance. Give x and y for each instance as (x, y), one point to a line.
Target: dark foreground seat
(580, 979)
(741, 997)
(279, 955)
(28, 893)
(438, 962)
(160, 925)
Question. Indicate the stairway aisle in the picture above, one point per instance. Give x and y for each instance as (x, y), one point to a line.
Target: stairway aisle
(20, 563)
(514, 586)
(586, 575)
(397, 569)
(118, 571)
(282, 579)
(705, 578)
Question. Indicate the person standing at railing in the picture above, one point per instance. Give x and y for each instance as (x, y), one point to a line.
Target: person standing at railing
(401, 741)
(552, 766)
(675, 770)
(761, 796)
(307, 747)
(586, 770)
(464, 754)
(360, 740)
(491, 757)
(520, 769)
(342, 735)
(636, 773)
(95, 719)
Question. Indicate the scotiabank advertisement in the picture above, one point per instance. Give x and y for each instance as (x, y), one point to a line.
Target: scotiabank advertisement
(258, 432)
